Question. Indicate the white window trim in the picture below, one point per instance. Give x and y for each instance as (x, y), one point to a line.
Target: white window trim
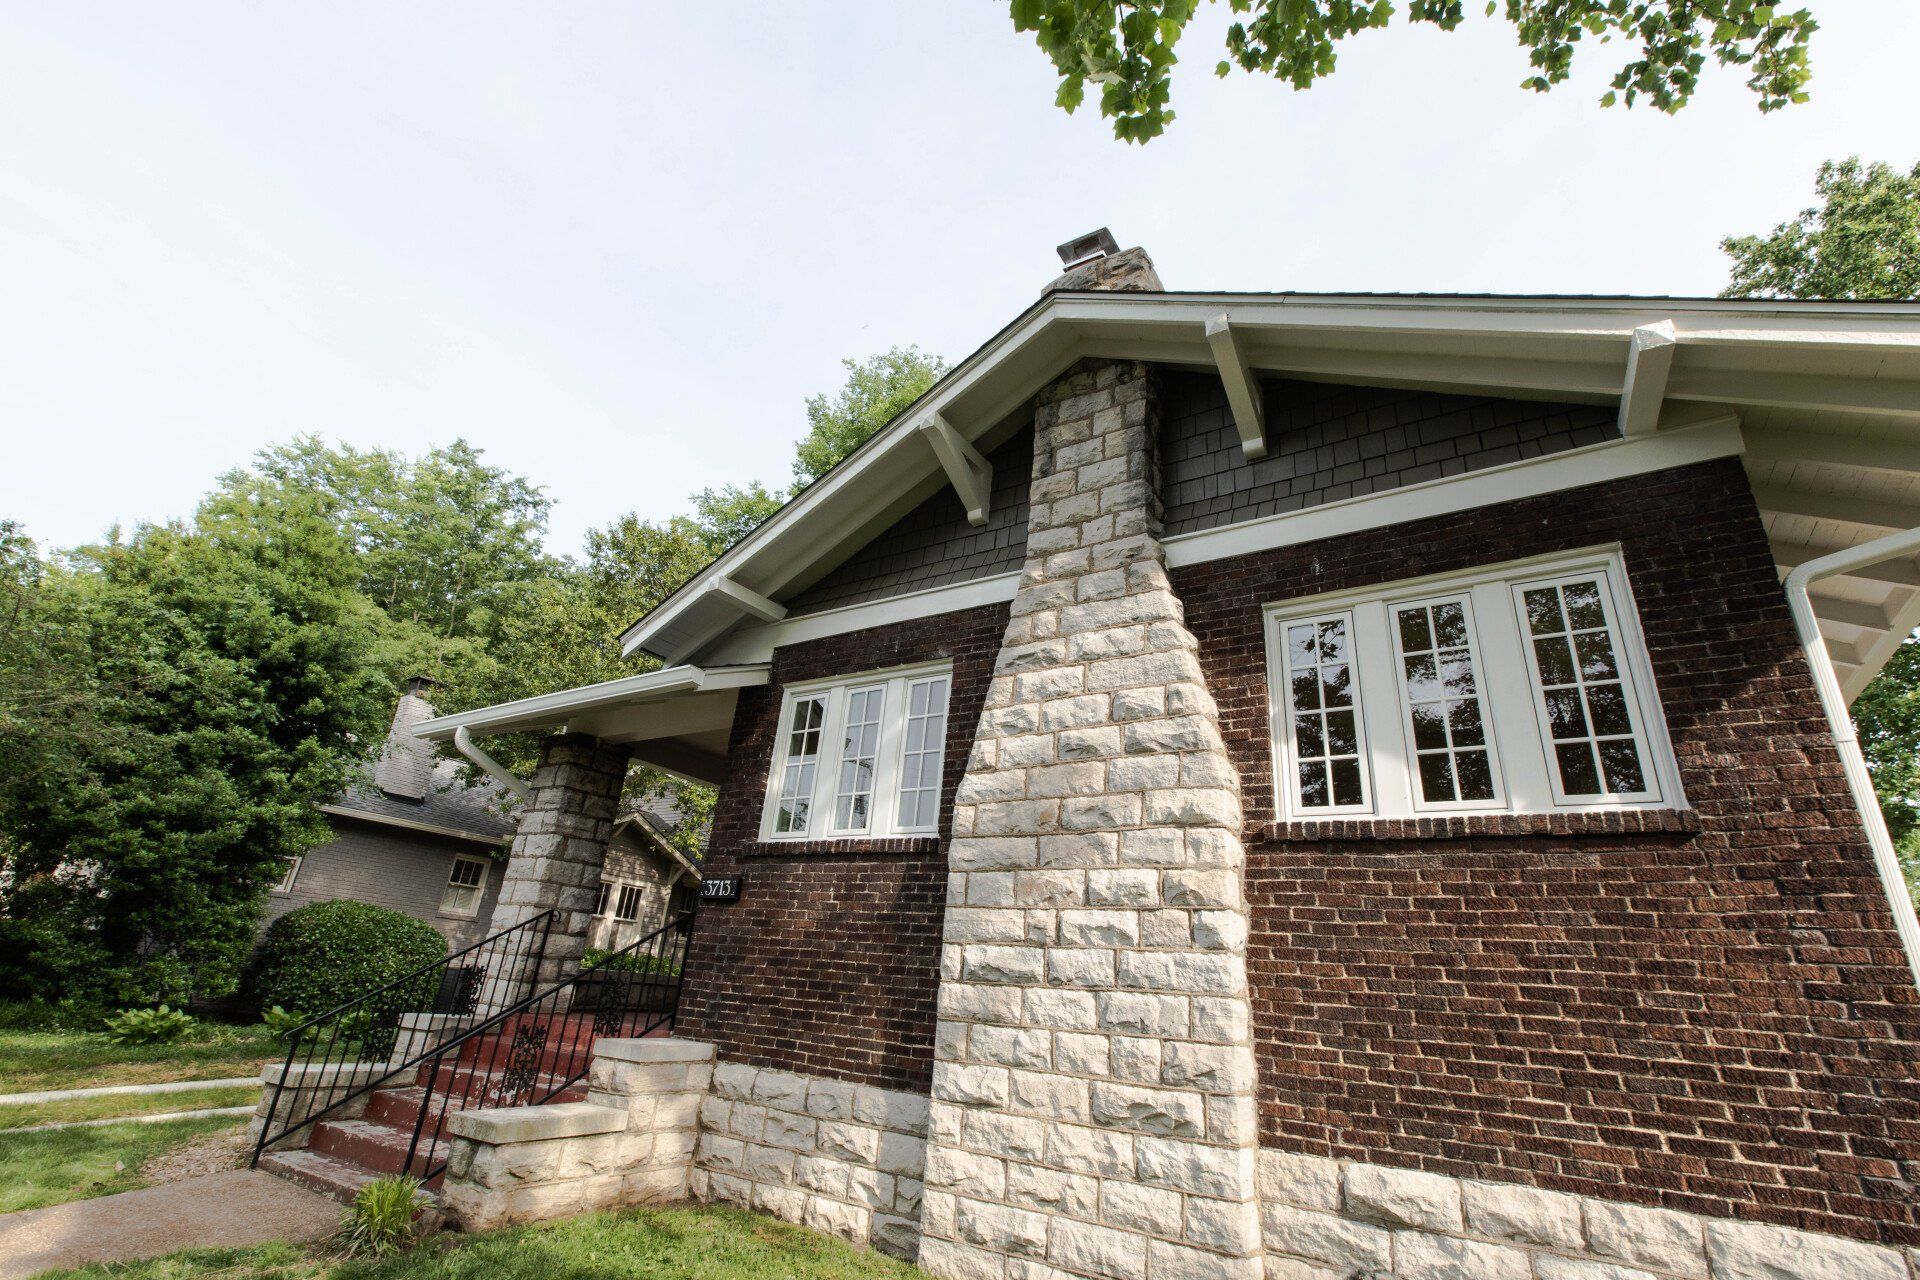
(1283, 701)
(1527, 780)
(292, 875)
(1411, 758)
(884, 809)
(479, 890)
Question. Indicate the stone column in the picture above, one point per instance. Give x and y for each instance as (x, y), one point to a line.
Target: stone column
(1093, 1107)
(563, 837)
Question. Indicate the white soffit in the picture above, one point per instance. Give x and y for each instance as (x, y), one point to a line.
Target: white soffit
(1844, 378)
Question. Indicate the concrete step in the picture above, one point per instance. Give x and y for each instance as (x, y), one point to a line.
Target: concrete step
(330, 1177)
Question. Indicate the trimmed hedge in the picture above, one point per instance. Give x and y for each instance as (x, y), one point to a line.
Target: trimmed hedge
(631, 962)
(320, 956)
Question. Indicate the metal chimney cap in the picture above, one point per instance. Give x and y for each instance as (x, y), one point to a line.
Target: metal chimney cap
(1095, 244)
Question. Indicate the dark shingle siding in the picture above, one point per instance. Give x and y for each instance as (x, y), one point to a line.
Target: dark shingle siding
(933, 545)
(1330, 441)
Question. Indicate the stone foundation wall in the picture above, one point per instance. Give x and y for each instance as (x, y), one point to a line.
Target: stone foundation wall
(1325, 1219)
(836, 1156)
(630, 1142)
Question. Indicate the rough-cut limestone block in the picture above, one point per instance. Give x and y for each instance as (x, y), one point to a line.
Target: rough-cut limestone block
(734, 1081)
(1306, 1181)
(1177, 1262)
(897, 1236)
(1755, 1251)
(1431, 1257)
(1547, 1266)
(959, 1261)
(1524, 1215)
(1659, 1239)
(1090, 1250)
(1224, 1226)
(1325, 1238)
(1281, 1267)
(1402, 1197)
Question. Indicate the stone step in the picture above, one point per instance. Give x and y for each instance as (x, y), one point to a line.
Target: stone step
(336, 1179)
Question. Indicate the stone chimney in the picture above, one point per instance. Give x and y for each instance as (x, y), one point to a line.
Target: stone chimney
(1096, 261)
(405, 767)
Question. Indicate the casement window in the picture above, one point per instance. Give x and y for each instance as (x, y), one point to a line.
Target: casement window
(465, 881)
(619, 899)
(1523, 688)
(288, 876)
(859, 758)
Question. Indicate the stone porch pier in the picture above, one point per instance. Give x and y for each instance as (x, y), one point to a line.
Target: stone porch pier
(556, 855)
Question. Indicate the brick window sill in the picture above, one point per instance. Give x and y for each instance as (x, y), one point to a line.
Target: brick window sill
(1618, 822)
(840, 848)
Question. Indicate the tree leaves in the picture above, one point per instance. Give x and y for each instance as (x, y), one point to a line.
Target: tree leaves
(1127, 46)
(1862, 241)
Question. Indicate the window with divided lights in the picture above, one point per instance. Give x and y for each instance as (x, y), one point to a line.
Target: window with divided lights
(860, 758)
(1516, 689)
(465, 881)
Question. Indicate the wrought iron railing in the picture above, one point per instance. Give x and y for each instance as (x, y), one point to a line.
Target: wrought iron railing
(541, 1047)
(336, 1056)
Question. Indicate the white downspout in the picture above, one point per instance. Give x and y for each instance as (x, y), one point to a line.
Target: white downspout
(464, 743)
(1859, 781)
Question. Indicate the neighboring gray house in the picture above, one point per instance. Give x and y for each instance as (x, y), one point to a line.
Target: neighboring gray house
(415, 836)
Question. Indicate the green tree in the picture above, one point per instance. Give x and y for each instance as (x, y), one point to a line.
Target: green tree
(210, 682)
(1127, 47)
(437, 537)
(877, 390)
(1862, 241)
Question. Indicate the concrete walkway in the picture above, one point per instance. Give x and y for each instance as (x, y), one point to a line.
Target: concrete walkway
(172, 1086)
(233, 1209)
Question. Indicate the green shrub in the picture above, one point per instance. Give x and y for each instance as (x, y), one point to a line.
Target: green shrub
(381, 1218)
(632, 962)
(149, 1026)
(321, 956)
(282, 1024)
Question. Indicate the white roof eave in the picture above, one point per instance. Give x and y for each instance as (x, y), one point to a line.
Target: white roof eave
(552, 710)
(1573, 346)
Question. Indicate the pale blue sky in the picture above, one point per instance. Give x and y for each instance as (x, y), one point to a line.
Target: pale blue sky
(616, 245)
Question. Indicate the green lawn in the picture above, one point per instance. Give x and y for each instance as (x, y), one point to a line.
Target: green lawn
(126, 1104)
(39, 1169)
(686, 1243)
(34, 1060)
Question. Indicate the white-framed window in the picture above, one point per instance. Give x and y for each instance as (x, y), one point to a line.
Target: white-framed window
(288, 876)
(859, 757)
(465, 882)
(606, 896)
(627, 905)
(1518, 688)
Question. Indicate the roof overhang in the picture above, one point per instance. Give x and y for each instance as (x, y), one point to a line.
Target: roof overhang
(1827, 393)
(677, 718)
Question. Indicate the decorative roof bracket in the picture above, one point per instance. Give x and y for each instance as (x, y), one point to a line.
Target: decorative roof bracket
(1649, 362)
(969, 473)
(1243, 389)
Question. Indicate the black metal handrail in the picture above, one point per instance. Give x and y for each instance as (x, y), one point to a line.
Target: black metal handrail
(366, 1029)
(548, 1038)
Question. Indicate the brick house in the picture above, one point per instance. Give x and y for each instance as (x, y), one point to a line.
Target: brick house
(1304, 785)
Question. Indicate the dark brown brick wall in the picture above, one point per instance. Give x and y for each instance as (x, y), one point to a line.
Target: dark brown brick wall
(1718, 1020)
(829, 964)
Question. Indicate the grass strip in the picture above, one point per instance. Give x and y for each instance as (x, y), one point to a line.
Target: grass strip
(126, 1104)
(31, 1061)
(59, 1165)
(707, 1242)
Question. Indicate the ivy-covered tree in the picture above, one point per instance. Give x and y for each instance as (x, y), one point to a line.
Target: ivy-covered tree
(1126, 48)
(186, 696)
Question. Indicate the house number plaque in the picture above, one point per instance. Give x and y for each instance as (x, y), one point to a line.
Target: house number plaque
(721, 888)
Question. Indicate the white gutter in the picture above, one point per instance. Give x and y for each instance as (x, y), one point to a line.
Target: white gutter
(1859, 781)
(464, 743)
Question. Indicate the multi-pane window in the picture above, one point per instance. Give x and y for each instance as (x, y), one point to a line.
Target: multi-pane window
(461, 897)
(1445, 716)
(1584, 695)
(1323, 717)
(805, 719)
(883, 739)
(923, 753)
(859, 754)
(1508, 690)
(606, 894)
(627, 906)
